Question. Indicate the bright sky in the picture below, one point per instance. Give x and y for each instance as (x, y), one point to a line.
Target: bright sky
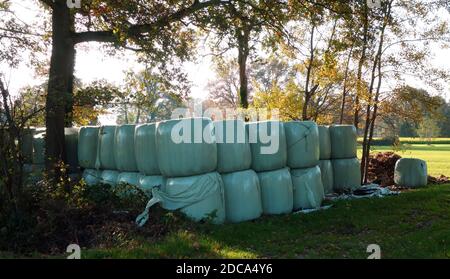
(92, 64)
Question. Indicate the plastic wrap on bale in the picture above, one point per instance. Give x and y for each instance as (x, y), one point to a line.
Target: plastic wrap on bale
(302, 139)
(145, 149)
(27, 145)
(71, 144)
(39, 149)
(124, 155)
(131, 178)
(147, 183)
(87, 147)
(346, 174)
(308, 188)
(191, 151)
(411, 173)
(268, 145)
(109, 177)
(324, 142)
(343, 141)
(92, 176)
(276, 191)
(233, 148)
(199, 197)
(326, 171)
(106, 147)
(242, 196)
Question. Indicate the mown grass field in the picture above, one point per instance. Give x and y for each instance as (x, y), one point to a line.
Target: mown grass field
(411, 225)
(437, 156)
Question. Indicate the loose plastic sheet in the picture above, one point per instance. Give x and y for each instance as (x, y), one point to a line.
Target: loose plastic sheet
(200, 197)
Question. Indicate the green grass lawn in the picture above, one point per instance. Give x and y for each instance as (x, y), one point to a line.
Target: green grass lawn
(437, 156)
(414, 224)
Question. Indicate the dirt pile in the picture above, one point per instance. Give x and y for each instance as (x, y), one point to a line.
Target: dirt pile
(442, 179)
(381, 168)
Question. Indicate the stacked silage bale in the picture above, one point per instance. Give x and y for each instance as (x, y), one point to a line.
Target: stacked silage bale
(302, 139)
(241, 185)
(187, 158)
(146, 158)
(105, 156)
(87, 153)
(269, 157)
(326, 167)
(125, 155)
(33, 148)
(346, 166)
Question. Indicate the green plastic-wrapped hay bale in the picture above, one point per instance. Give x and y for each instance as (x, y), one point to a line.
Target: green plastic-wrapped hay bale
(186, 147)
(242, 196)
(233, 148)
(39, 149)
(124, 155)
(268, 145)
(109, 177)
(26, 147)
(343, 141)
(324, 142)
(147, 183)
(276, 191)
(32, 174)
(308, 188)
(145, 149)
(411, 172)
(346, 174)
(106, 147)
(302, 139)
(200, 197)
(71, 144)
(326, 171)
(87, 147)
(92, 176)
(131, 178)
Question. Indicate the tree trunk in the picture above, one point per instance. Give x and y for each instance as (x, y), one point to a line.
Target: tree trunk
(344, 90)
(308, 93)
(371, 117)
(59, 85)
(359, 81)
(243, 35)
(70, 84)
